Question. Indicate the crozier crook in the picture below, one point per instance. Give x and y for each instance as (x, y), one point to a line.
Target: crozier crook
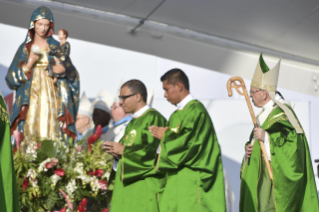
(232, 83)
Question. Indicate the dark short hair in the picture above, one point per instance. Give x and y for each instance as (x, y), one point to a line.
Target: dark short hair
(174, 76)
(136, 86)
(65, 32)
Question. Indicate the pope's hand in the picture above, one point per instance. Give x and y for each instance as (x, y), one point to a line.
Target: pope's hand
(249, 150)
(259, 134)
(113, 148)
(58, 69)
(158, 132)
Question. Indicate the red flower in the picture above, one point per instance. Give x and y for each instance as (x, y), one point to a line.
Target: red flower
(63, 209)
(82, 207)
(98, 131)
(105, 210)
(25, 183)
(93, 138)
(48, 165)
(83, 202)
(103, 184)
(91, 173)
(98, 172)
(60, 172)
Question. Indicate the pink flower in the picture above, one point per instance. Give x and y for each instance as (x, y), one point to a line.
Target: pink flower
(60, 172)
(79, 148)
(105, 210)
(54, 161)
(17, 137)
(38, 146)
(103, 184)
(48, 165)
(25, 183)
(70, 205)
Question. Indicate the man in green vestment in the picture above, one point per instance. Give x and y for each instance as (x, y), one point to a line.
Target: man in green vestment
(137, 183)
(189, 153)
(293, 187)
(9, 199)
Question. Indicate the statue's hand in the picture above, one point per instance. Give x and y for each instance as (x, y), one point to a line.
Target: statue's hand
(58, 69)
(32, 59)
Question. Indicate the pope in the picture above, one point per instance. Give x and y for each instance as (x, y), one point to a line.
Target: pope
(293, 186)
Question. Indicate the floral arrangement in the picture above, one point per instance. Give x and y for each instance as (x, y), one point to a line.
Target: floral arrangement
(53, 176)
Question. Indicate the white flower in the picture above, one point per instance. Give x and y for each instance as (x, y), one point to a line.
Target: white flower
(34, 183)
(31, 152)
(32, 173)
(79, 168)
(55, 178)
(102, 163)
(106, 175)
(85, 179)
(42, 165)
(71, 187)
(94, 184)
(35, 49)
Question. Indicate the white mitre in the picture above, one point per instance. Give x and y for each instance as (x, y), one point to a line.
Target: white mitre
(150, 96)
(86, 108)
(104, 100)
(267, 79)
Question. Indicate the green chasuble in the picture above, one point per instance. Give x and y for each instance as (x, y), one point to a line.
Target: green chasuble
(294, 187)
(137, 183)
(190, 155)
(9, 200)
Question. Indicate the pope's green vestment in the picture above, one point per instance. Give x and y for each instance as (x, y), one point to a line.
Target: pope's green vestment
(293, 188)
(190, 155)
(137, 183)
(9, 199)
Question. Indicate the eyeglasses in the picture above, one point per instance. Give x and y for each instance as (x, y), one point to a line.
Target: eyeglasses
(253, 92)
(125, 97)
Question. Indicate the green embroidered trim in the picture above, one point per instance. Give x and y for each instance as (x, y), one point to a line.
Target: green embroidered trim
(277, 118)
(4, 116)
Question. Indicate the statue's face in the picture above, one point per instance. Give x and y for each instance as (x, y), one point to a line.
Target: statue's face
(41, 27)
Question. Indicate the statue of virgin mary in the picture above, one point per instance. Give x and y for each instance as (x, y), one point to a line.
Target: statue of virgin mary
(44, 107)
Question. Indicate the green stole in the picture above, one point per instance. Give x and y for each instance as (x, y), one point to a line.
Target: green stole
(294, 187)
(137, 184)
(191, 157)
(9, 199)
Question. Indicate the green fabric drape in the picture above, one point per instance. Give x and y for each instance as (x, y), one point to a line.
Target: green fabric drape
(138, 185)
(190, 155)
(293, 178)
(9, 199)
